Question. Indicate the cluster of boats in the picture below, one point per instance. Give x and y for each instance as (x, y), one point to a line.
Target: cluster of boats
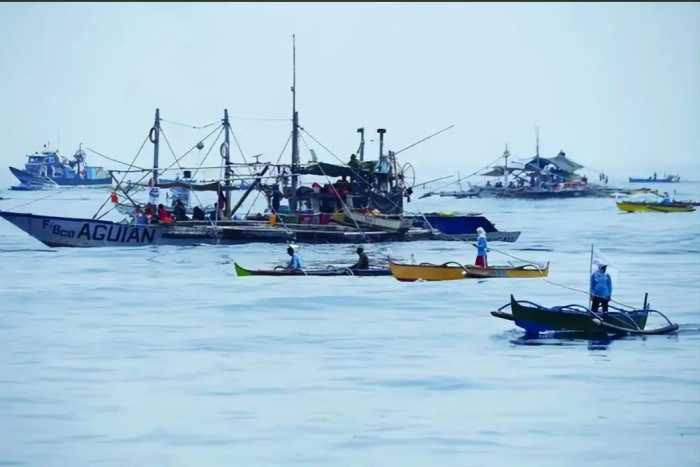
(362, 201)
(566, 321)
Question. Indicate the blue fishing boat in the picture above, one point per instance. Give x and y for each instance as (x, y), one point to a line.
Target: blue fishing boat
(50, 169)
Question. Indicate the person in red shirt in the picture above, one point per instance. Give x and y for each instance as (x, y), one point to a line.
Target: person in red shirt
(164, 216)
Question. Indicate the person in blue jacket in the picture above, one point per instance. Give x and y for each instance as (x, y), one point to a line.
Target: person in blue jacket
(294, 261)
(481, 248)
(601, 289)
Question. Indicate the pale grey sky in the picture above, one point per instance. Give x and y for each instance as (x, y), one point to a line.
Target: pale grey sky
(617, 86)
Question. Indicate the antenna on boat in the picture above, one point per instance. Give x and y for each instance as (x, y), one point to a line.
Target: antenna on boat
(154, 137)
(225, 151)
(295, 130)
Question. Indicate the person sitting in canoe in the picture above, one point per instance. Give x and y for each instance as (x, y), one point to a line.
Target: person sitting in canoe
(294, 261)
(601, 289)
(362, 261)
(481, 248)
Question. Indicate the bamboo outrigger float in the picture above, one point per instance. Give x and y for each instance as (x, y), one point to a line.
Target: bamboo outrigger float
(453, 271)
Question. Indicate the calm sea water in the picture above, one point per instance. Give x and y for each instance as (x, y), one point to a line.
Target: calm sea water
(161, 356)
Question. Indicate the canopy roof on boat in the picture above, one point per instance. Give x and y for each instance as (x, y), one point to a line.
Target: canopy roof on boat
(561, 162)
(332, 170)
(499, 170)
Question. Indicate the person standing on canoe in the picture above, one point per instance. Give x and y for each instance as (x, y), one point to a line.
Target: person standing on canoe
(294, 261)
(362, 261)
(481, 248)
(601, 289)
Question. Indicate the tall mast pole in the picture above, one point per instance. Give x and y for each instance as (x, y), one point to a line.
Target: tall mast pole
(537, 155)
(506, 155)
(295, 130)
(361, 131)
(155, 139)
(227, 173)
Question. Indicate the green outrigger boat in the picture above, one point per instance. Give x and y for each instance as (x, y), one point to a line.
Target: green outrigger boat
(329, 271)
(534, 319)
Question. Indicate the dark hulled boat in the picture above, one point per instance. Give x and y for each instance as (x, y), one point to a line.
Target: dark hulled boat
(328, 272)
(535, 319)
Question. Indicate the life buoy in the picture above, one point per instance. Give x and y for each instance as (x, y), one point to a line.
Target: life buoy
(153, 135)
(114, 197)
(223, 150)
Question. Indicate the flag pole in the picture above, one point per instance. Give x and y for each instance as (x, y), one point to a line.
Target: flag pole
(590, 272)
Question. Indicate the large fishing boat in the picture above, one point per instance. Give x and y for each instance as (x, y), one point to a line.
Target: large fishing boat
(48, 168)
(365, 202)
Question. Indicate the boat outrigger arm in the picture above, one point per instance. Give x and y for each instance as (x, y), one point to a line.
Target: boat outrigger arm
(252, 186)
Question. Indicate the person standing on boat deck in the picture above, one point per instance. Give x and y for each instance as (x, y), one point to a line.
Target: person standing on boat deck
(601, 289)
(481, 248)
(362, 261)
(294, 261)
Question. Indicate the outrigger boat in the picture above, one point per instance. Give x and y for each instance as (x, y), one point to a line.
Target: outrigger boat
(578, 319)
(641, 206)
(329, 271)
(453, 270)
(655, 179)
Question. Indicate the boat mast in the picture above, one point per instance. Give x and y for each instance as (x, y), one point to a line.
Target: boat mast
(154, 136)
(506, 155)
(361, 150)
(537, 156)
(227, 173)
(295, 131)
(588, 279)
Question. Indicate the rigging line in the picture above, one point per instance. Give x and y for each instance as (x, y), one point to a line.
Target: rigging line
(270, 119)
(112, 159)
(289, 138)
(552, 282)
(239, 146)
(178, 163)
(187, 125)
(216, 140)
(119, 183)
(460, 179)
(40, 199)
(220, 127)
(421, 140)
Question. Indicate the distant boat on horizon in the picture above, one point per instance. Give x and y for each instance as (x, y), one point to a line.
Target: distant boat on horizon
(655, 179)
(49, 169)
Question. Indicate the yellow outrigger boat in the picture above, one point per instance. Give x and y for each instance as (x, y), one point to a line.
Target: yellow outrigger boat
(453, 270)
(635, 206)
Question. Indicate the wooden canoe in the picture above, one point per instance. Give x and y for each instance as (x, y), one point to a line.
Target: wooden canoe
(452, 271)
(330, 271)
(534, 319)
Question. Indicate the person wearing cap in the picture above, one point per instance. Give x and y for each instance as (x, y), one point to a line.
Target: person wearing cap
(601, 289)
(481, 248)
(362, 261)
(294, 261)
